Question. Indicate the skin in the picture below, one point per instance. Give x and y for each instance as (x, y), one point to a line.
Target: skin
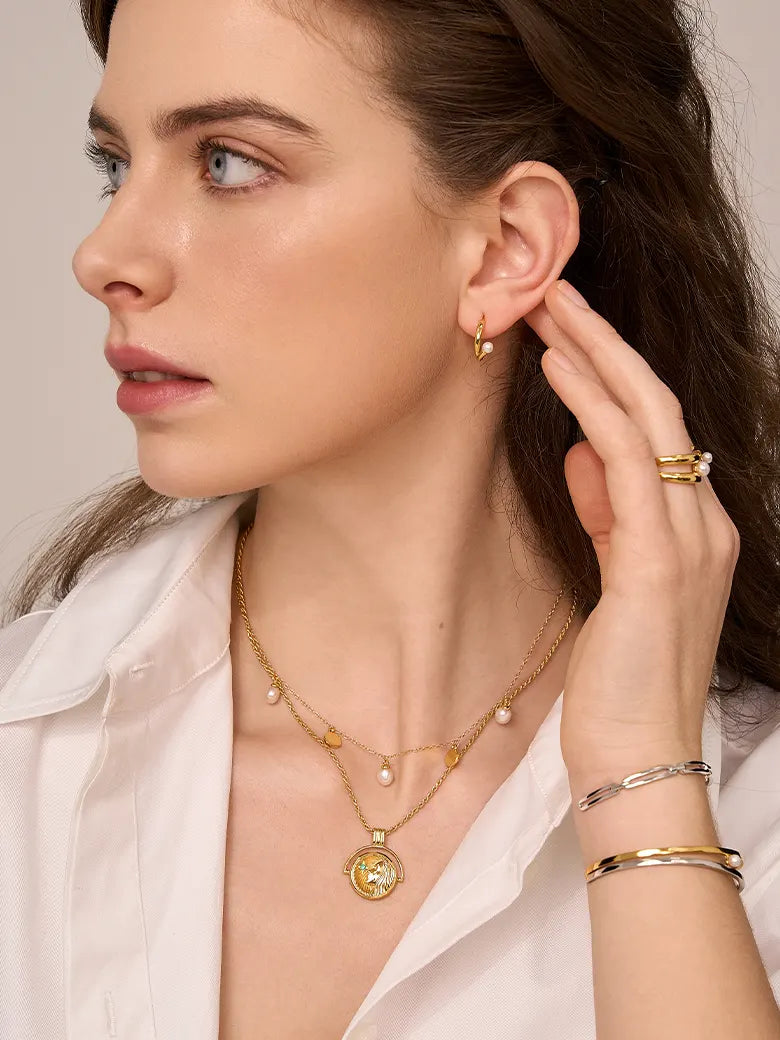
(335, 314)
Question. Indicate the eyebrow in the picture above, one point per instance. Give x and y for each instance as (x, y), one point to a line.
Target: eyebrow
(169, 124)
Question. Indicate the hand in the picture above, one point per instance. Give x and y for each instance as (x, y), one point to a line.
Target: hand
(639, 671)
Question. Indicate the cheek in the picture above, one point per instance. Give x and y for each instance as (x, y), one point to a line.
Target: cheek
(325, 338)
(319, 326)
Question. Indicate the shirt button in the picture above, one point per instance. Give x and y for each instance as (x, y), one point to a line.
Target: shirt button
(136, 671)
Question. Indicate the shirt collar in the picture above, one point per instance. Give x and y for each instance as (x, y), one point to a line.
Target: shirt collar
(174, 583)
(173, 590)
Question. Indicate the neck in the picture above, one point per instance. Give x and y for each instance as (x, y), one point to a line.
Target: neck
(394, 596)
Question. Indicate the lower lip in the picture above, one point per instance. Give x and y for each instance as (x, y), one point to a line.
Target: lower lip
(137, 398)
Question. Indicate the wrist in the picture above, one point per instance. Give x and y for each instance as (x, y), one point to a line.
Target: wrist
(672, 811)
(587, 775)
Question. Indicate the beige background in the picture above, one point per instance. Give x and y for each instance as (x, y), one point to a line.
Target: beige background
(61, 433)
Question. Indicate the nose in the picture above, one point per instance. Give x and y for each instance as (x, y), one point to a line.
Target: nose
(121, 263)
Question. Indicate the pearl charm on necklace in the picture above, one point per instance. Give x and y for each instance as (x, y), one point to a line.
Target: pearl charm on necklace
(385, 776)
(273, 695)
(503, 715)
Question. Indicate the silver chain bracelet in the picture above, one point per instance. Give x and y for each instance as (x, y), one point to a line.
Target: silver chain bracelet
(728, 861)
(647, 776)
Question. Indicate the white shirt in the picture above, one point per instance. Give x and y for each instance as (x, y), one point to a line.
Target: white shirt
(115, 765)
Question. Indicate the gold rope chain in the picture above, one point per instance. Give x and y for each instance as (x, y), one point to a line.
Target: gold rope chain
(260, 653)
(283, 687)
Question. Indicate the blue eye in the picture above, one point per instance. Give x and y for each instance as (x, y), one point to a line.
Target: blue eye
(105, 161)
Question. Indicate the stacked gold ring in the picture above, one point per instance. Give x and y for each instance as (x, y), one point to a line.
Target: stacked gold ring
(700, 466)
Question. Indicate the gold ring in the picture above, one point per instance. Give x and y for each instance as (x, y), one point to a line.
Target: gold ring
(700, 466)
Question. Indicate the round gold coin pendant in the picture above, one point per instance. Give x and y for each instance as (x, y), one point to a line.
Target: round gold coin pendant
(375, 869)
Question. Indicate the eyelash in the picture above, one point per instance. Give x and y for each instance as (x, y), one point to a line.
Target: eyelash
(100, 158)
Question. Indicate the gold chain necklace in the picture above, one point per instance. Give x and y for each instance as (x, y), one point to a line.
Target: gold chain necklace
(333, 737)
(375, 869)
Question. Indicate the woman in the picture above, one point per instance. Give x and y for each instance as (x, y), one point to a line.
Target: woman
(302, 760)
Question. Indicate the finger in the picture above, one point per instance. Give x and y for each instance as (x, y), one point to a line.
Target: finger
(649, 402)
(635, 491)
(545, 326)
(585, 477)
(709, 538)
(622, 369)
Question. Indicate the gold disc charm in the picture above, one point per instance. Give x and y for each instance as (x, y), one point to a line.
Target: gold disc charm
(374, 869)
(333, 738)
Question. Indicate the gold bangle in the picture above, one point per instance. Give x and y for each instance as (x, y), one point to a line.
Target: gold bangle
(729, 857)
(652, 861)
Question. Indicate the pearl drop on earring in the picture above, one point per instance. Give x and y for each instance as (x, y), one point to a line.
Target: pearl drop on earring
(385, 776)
(273, 695)
(503, 715)
(487, 348)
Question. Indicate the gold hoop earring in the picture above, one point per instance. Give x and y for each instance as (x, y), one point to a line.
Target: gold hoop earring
(481, 349)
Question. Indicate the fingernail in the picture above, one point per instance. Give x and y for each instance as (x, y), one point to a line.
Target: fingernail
(568, 290)
(561, 359)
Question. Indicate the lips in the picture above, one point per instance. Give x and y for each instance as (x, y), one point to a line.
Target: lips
(126, 358)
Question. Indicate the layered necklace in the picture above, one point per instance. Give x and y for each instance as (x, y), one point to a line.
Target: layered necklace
(375, 869)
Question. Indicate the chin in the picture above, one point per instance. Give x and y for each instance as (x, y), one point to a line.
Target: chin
(178, 486)
(178, 476)
(206, 464)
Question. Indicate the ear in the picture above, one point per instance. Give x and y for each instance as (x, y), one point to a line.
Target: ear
(517, 243)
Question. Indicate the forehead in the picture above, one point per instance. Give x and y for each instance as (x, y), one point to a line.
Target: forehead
(165, 56)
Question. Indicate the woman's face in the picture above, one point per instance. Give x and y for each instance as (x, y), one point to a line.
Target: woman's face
(321, 305)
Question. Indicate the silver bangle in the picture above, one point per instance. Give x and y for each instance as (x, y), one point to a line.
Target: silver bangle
(650, 861)
(647, 776)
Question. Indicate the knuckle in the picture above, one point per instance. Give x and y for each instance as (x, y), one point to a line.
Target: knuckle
(671, 404)
(736, 541)
(731, 541)
(725, 543)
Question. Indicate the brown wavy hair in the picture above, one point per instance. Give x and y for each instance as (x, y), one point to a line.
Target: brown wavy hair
(608, 91)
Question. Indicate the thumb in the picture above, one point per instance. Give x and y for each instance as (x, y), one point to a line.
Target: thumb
(585, 476)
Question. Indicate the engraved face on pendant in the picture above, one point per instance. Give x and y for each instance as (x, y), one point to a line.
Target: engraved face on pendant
(374, 871)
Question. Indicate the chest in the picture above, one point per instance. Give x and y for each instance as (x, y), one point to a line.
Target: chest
(300, 948)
